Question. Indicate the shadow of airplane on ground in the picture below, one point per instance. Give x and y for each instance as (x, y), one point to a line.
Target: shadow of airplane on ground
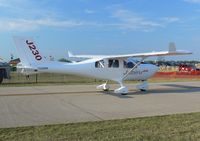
(172, 89)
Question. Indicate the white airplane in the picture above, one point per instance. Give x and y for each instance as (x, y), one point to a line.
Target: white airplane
(105, 67)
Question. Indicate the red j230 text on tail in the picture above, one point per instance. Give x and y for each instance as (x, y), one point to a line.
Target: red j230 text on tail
(34, 50)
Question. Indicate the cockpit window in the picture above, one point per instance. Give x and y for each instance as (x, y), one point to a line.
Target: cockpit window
(128, 64)
(99, 64)
(113, 63)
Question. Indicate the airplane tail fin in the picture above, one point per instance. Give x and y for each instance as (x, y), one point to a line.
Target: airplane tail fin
(28, 51)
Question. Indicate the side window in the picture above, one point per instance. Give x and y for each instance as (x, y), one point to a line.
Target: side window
(99, 64)
(113, 63)
(110, 63)
(116, 64)
(125, 64)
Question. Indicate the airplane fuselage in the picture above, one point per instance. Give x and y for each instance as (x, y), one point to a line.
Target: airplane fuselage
(90, 68)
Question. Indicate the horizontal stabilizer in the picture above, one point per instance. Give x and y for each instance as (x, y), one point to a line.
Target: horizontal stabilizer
(74, 58)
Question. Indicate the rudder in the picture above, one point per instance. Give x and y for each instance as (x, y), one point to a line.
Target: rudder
(28, 51)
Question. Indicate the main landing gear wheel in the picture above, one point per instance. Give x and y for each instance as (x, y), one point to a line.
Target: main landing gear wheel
(122, 90)
(143, 87)
(143, 90)
(104, 87)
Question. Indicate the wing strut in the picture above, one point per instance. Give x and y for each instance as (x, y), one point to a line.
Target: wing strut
(136, 65)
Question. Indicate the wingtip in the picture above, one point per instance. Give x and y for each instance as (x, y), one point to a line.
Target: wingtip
(172, 49)
(184, 52)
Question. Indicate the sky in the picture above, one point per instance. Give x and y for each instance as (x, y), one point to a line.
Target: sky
(101, 27)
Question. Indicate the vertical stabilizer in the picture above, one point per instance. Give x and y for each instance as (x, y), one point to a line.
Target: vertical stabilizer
(28, 51)
(172, 47)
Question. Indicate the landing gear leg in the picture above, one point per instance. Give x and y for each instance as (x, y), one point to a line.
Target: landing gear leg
(122, 90)
(143, 87)
(104, 87)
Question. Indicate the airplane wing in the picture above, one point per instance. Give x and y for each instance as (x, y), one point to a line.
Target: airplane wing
(151, 54)
(71, 55)
(171, 52)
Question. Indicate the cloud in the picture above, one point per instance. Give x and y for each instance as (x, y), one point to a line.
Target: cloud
(28, 25)
(14, 4)
(193, 1)
(170, 19)
(26, 9)
(129, 20)
(30, 15)
(88, 11)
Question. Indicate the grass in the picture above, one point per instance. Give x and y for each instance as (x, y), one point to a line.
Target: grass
(47, 79)
(64, 79)
(181, 127)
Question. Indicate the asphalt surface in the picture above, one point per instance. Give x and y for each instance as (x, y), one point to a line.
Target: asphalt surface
(41, 105)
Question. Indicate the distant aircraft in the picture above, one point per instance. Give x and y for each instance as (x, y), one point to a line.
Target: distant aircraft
(105, 67)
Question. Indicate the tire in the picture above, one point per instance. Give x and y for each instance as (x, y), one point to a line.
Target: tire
(1, 79)
(123, 93)
(143, 90)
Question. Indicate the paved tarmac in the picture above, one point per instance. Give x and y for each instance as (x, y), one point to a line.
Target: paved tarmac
(41, 105)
